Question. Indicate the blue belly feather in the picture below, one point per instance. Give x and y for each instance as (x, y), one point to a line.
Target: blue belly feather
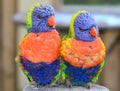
(42, 73)
(80, 76)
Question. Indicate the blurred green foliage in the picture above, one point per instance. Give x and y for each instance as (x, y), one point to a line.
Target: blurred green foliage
(93, 2)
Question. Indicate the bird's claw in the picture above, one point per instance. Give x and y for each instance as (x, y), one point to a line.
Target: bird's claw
(51, 85)
(88, 85)
(35, 84)
(68, 84)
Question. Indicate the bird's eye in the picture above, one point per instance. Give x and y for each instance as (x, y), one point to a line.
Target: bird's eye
(40, 17)
(81, 29)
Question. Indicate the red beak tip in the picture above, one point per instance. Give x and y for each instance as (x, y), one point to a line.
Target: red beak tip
(51, 21)
(93, 32)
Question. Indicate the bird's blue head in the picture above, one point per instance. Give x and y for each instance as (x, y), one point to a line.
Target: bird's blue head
(83, 26)
(40, 18)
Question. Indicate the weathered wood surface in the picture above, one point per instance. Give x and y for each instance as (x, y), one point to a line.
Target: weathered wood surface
(111, 71)
(75, 88)
(8, 46)
(0, 46)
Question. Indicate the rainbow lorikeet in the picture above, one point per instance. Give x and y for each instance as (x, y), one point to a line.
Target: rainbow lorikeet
(39, 50)
(82, 51)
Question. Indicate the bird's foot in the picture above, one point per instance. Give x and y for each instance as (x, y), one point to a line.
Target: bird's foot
(60, 83)
(35, 84)
(39, 86)
(68, 84)
(88, 85)
(51, 85)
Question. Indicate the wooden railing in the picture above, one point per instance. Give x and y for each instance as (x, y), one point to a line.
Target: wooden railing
(8, 46)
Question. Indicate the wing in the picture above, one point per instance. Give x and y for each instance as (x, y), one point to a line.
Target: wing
(97, 74)
(61, 73)
(17, 59)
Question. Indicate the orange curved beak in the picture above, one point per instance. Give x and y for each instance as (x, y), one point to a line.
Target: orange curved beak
(51, 21)
(93, 32)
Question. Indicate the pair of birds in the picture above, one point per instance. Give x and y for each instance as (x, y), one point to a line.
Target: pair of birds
(77, 59)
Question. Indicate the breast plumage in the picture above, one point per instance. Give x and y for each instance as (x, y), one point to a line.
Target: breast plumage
(41, 47)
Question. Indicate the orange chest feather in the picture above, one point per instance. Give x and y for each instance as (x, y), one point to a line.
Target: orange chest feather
(41, 47)
(86, 48)
(83, 54)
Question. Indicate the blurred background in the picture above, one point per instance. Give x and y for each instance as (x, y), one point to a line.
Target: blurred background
(12, 30)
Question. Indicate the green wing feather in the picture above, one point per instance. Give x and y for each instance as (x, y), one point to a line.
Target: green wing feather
(61, 73)
(97, 74)
(63, 68)
(62, 64)
(21, 66)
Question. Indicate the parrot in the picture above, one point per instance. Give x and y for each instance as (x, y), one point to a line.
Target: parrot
(38, 55)
(82, 51)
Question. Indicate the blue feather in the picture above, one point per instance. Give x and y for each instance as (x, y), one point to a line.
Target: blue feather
(42, 73)
(80, 76)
